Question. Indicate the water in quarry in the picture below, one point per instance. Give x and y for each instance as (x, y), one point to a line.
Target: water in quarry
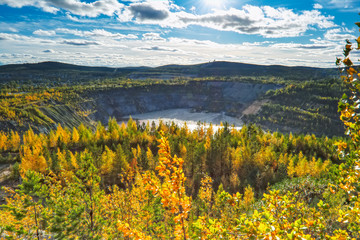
(192, 118)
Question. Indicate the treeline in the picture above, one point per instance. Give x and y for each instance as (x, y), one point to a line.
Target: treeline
(23, 107)
(154, 182)
(303, 107)
(308, 107)
(233, 158)
(166, 182)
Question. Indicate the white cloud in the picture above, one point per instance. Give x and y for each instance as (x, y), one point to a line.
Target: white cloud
(70, 31)
(103, 46)
(96, 33)
(319, 45)
(104, 33)
(41, 32)
(341, 5)
(77, 7)
(48, 51)
(145, 11)
(152, 37)
(269, 22)
(108, 52)
(72, 18)
(265, 21)
(11, 37)
(80, 42)
(317, 6)
(158, 48)
(149, 11)
(252, 43)
(338, 34)
(11, 29)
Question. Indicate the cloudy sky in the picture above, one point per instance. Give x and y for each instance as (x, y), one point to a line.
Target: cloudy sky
(158, 32)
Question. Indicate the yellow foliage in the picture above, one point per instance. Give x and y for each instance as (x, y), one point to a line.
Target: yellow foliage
(25, 227)
(61, 156)
(234, 181)
(207, 143)
(14, 141)
(150, 158)
(32, 159)
(3, 141)
(107, 161)
(63, 134)
(172, 189)
(264, 157)
(249, 196)
(206, 192)
(52, 139)
(131, 232)
(75, 136)
(183, 151)
(303, 167)
(210, 131)
(291, 168)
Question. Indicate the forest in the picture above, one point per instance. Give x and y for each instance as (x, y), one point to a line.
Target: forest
(289, 105)
(147, 181)
(131, 181)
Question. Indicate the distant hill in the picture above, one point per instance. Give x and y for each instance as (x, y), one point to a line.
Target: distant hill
(69, 72)
(221, 68)
(63, 72)
(58, 66)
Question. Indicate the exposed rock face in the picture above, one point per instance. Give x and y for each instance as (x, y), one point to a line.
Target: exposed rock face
(229, 97)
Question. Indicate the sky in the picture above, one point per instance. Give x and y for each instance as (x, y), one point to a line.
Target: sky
(159, 32)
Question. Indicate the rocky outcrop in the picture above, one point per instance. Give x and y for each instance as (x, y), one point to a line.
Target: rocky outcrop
(213, 96)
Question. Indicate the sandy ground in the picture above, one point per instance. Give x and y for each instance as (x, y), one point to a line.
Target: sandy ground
(255, 107)
(180, 116)
(5, 172)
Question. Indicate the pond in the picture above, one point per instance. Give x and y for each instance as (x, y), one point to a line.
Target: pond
(193, 119)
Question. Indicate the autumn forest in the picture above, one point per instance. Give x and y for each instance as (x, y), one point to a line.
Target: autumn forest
(70, 178)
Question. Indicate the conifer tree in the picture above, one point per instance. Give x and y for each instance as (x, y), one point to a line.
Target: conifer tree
(75, 136)
(25, 211)
(32, 159)
(14, 141)
(76, 202)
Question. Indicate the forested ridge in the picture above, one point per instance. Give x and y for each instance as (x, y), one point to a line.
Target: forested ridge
(287, 105)
(142, 181)
(163, 177)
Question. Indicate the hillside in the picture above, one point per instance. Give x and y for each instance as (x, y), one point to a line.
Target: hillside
(45, 94)
(147, 181)
(62, 73)
(74, 74)
(278, 105)
(227, 69)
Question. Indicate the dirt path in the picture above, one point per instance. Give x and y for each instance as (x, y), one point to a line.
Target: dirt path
(255, 107)
(5, 172)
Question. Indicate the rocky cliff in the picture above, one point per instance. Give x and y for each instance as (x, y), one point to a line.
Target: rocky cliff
(229, 97)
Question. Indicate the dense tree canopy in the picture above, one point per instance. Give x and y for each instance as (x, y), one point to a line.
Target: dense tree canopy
(134, 181)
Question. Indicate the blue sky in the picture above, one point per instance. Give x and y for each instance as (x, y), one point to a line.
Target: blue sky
(158, 32)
